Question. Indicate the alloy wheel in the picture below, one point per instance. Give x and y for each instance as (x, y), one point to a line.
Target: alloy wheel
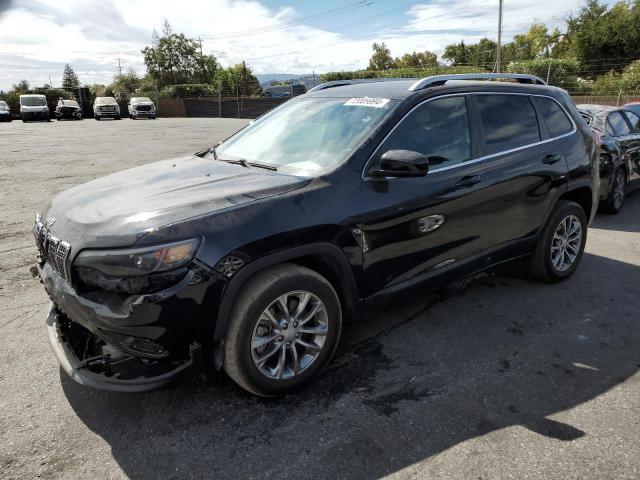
(566, 243)
(619, 190)
(289, 335)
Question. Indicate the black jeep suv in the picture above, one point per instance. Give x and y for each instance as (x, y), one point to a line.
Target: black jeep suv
(250, 255)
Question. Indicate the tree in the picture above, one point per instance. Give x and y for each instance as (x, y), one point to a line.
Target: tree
(237, 80)
(175, 59)
(456, 53)
(604, 38)
(424, 59)
(126, 83)
(381, 58)
(69, 78)
(21, 87)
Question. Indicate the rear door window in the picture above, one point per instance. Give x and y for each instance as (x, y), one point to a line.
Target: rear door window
(634, 120)
(439, 129)
(508, 121)
(617, 125)
(554, 117)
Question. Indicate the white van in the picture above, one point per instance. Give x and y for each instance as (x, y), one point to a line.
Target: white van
(34, 107)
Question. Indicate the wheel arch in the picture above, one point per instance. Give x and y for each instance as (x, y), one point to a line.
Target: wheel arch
(583, 196)
(325, 258)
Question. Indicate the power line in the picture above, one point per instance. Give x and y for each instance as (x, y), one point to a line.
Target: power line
(315, 17)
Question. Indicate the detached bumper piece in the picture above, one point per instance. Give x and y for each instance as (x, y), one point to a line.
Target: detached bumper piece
(91, 361)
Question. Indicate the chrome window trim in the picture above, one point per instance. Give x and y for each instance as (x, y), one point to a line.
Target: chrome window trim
(479, 159)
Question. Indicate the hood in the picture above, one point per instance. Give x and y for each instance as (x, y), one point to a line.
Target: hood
(135, 104)
(118, 209)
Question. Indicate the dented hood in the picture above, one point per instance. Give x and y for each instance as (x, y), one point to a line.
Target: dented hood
(118, 209)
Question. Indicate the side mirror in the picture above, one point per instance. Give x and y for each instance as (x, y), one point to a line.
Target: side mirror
(402, 163)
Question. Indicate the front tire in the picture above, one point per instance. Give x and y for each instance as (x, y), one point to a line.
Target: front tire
(284, 329)
(615, 199)
(561, 244)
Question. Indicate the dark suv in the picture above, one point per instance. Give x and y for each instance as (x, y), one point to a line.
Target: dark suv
(249, 256)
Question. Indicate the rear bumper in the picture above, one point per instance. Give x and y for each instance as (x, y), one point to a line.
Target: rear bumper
(68, 114)
(137, 114)
(106, 114)
(91, 375)
(34, 115)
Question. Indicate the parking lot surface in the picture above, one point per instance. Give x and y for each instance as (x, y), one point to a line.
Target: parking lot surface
(492, 377)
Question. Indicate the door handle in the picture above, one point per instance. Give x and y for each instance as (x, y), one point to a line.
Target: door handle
(468, 181)
(552, 158)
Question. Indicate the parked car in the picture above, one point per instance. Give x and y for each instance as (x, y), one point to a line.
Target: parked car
(106, 107)
(283, 91)
(68, 109)
(251, 254)
(34, 107)
(141, 107)
(619, 130)
(5, 112)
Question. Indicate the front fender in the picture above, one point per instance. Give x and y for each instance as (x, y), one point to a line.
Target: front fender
(244, 274)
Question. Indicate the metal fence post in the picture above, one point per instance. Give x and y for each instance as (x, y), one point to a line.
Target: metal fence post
(219, 100)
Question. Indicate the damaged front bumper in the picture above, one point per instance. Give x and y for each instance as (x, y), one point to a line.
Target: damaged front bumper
(128, 343)
(109, 369)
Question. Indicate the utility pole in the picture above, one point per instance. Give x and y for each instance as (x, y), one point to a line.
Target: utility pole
(119, 67)
(245, 84)
(201, 60)
(499, 37)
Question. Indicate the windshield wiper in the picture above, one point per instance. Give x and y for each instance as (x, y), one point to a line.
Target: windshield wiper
(247, 164)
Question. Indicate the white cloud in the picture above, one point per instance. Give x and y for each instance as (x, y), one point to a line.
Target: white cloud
(37, 37)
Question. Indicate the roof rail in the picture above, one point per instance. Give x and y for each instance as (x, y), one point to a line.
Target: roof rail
(439, 80)
(342, 83)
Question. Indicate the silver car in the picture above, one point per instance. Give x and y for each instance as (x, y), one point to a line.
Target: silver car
(141, 107)
(106, 107)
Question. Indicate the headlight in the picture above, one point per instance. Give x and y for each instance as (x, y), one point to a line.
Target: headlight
(138, 261)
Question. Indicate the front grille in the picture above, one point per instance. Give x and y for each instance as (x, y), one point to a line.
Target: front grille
(52, 249)
(67, 109)
(107, 109)
(143, 108)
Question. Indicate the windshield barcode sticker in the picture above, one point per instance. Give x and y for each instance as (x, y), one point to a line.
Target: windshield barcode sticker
(368, 102)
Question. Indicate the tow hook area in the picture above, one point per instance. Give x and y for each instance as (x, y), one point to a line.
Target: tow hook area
(91, 361)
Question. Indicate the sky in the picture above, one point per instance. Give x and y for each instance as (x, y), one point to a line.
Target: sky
(38, 37)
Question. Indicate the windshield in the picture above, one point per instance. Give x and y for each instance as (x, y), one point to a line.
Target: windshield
(105, 100)
(3, 103)
(140, 100)
(70, 103)
(33, 101)
(313, 134)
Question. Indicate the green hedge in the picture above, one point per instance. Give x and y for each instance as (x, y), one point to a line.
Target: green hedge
(562, 72)
(189, 90)
(398, 73)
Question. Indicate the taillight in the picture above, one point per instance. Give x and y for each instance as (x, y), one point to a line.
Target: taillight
(596, 136)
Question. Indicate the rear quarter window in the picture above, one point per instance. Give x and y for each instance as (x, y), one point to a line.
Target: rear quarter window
(616, 124)
(634, 120)
(554, 117)
(508, 121)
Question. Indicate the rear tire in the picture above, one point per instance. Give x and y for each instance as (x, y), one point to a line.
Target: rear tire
(272, 347)
(561, 244)
(615, 199)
